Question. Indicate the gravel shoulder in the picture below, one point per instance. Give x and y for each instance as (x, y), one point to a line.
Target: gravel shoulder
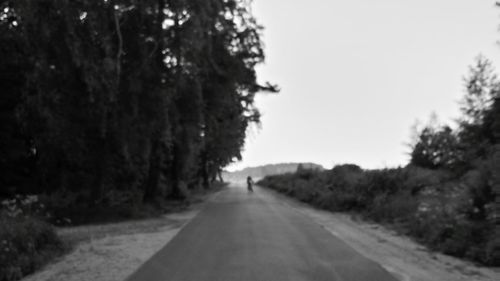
(406, 259)
(111, 252)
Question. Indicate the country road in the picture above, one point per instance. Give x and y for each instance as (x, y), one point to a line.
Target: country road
(254, 236)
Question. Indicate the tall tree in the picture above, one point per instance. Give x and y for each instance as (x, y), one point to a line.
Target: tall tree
(16, 158)
(482, 86)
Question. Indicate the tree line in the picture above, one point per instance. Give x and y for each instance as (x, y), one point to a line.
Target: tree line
(119, 100)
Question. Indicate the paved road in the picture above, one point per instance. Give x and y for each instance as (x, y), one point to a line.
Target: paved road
(242, 236)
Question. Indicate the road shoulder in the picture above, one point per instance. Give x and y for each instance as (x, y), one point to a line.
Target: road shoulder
(113, 251)
(406, 259)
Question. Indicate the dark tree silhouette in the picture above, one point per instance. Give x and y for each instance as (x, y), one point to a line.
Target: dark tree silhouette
(125, 100)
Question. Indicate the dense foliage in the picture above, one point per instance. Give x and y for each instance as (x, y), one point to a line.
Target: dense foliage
(26, 242)
(119, 102)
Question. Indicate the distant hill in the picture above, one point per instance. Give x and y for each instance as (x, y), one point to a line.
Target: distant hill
(266, 170)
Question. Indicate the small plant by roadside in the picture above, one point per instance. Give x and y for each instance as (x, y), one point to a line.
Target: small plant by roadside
(22, 206)
(26, 241)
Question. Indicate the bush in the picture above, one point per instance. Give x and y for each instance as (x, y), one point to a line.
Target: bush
(76, 207)
(492, 250)
(436, 147)
(399, 208)
(26, 244)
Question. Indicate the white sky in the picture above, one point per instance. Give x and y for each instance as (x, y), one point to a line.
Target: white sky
(356, 75)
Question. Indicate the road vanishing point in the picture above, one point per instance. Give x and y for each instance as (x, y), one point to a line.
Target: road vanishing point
(242, 236)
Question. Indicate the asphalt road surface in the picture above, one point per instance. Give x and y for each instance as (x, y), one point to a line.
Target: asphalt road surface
(242, 236)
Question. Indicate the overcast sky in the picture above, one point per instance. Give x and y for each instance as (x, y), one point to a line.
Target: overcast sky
(356, 75)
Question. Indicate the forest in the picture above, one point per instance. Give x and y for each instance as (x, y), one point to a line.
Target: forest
(446, 197)
(112, 105)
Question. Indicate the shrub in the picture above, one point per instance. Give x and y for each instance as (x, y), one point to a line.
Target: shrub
(76, 207)
(26, 243)
(418, 178)
(399, 208)
(436, 148)
(27, 205)
(492, 250)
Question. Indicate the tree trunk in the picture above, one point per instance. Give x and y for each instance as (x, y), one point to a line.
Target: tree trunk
(101, 158)
(219, 174)
(496, 165)
(204, 170)
(152, 183)
(176, 173)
